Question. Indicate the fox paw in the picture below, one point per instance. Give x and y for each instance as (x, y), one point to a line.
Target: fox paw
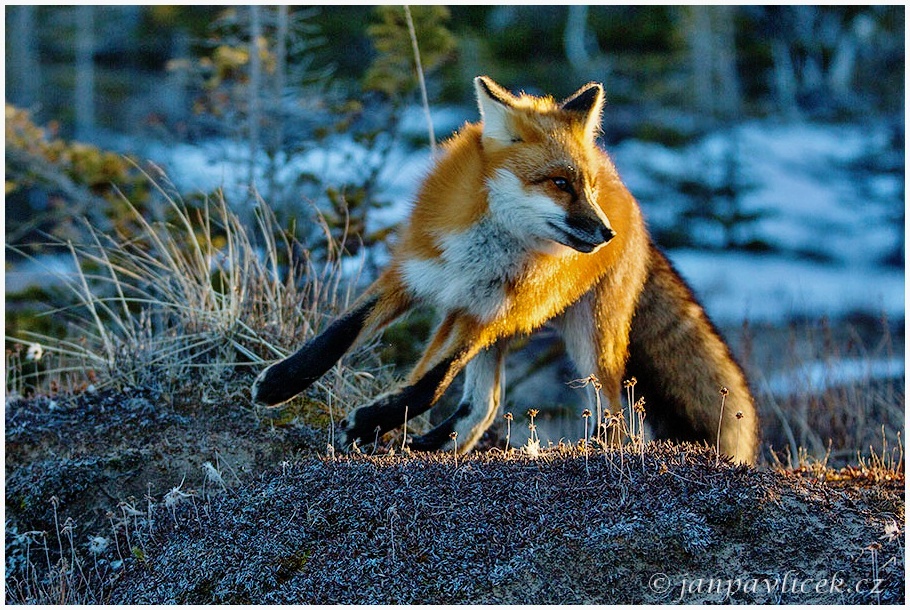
(434, 440)
(356, 428)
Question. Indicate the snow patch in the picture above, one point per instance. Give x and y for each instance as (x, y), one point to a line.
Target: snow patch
(816, 377)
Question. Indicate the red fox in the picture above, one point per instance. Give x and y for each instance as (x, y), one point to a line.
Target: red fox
(522, 221)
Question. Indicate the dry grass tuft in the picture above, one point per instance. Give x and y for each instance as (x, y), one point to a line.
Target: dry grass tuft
(828, 392)
(197, 295)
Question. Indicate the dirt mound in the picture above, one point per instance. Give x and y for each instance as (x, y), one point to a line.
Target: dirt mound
(90, 451)
(131, 497)
(559, 528)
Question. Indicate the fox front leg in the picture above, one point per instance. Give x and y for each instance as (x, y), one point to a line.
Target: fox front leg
(451, 348)
(596, 347)
(479, 402)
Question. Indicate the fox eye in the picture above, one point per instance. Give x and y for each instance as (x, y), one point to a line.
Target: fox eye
(562, 184)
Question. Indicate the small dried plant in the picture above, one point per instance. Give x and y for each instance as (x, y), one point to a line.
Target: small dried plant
(594, 382)
(532, 447)
(586, 414)
(639, 408)
(454, 436)
(720, 422)
(629, 385)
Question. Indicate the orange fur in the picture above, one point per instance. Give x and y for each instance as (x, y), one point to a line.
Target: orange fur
(523, 220)
(453, 198)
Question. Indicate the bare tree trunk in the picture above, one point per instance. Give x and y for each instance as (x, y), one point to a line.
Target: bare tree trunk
(254, 114)
(840, 74)
(24, 86)
(85, 72)
(806, 21)
(711, 31)
(785, 82)
(701, 45)
(276, 111)
(729, 99)
(281, 61)
(843, 64)
(174, 101)
(576, 37)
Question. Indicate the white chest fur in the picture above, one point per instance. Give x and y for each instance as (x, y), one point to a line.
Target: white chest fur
(471, 272)
(477, 263)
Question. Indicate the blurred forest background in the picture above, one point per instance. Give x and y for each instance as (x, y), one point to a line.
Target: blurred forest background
(122, 77)
(144, 70)
(193, 191)
(771, 136)
(259, 95)
(279, 81)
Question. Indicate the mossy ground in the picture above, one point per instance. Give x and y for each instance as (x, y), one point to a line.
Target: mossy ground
(287, 524)
(558, 528)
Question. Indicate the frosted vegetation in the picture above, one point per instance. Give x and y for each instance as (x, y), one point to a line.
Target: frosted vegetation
(192, 192)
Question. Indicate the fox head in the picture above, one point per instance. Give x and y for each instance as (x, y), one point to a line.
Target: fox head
(542, 165)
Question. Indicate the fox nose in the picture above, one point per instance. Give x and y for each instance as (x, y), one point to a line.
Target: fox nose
(586, 233)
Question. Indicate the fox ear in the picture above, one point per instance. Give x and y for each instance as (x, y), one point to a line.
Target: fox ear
(495, 105)
(588, 102)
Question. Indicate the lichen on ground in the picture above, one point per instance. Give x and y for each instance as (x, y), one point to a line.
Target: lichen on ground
(499, 528)
(188, 503)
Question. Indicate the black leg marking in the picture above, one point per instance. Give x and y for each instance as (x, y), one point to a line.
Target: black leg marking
(291, 376)
(438, 436)
(387, 412)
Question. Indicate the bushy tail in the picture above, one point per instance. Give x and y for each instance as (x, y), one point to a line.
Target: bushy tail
(681, 363)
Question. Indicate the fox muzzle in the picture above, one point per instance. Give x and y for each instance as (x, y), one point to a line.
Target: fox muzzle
(585, 234)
